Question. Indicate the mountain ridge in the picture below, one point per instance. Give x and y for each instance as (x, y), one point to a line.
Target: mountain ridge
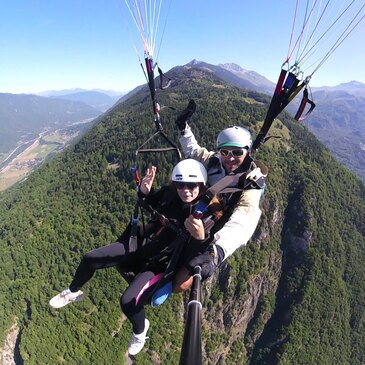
(322, 117)
(49, 93)
(95, 99)
(294, 294)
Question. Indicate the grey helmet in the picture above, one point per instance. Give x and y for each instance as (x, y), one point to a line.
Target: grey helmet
(190, 170)
(234, 136)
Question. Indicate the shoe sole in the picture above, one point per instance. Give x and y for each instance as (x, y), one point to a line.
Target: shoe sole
(78, 299)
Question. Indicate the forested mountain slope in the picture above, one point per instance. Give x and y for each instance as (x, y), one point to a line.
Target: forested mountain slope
(294, 295)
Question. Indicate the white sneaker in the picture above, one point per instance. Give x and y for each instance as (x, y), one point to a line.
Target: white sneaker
(66, 297)
(138, 341)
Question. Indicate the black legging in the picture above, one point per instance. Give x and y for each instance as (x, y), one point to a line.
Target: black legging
(114, 254)
(134, 299)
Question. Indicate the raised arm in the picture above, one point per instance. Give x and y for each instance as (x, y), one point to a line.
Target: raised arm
(147, 181)
(191, 147)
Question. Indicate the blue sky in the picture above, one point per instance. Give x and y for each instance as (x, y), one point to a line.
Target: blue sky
(63, 44)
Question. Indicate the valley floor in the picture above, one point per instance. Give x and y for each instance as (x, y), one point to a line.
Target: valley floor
(30, 154)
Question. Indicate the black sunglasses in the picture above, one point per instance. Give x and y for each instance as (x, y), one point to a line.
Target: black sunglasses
(234, 153)
(188, 185)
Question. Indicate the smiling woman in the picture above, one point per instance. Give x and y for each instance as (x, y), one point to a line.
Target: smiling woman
(155, 254)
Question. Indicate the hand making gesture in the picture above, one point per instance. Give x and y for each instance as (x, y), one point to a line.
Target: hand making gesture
(147, 180)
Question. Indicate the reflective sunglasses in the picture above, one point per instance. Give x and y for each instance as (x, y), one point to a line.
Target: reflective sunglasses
(234, 153)
(188, 185)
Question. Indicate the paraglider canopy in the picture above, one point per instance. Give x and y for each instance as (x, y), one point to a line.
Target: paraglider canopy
(318, 29)
(147, 15)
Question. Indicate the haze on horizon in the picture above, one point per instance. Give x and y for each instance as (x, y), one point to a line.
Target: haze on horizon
(69, 45)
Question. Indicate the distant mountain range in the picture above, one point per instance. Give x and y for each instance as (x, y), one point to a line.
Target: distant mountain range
(111, 93)
(251, 80)
(22, 114)
(99, 99)
(237, 76)
(353, 87)
(339, 123)
(338, 120)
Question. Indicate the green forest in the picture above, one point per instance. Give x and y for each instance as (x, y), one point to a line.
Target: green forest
(294, 295)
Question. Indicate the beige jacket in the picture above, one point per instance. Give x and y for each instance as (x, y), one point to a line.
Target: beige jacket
(245, 217)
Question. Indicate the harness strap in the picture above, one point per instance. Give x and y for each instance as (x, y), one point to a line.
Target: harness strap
(166, 149)
(298, 116)
(172, 145)
(178, 245)
(287, 87)
(162, 77)
(133, 240)
(222, 186)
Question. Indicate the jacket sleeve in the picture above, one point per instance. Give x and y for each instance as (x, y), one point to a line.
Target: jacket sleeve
(155, 196)
(242, 223)
(191, 147)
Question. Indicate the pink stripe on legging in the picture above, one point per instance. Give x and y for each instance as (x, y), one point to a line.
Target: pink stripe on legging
(149, 283)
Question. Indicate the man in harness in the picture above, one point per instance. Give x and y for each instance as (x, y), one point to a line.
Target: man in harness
(239, 196)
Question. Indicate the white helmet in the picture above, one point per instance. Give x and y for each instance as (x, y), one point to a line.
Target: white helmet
(234, 136)
(190, 170)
